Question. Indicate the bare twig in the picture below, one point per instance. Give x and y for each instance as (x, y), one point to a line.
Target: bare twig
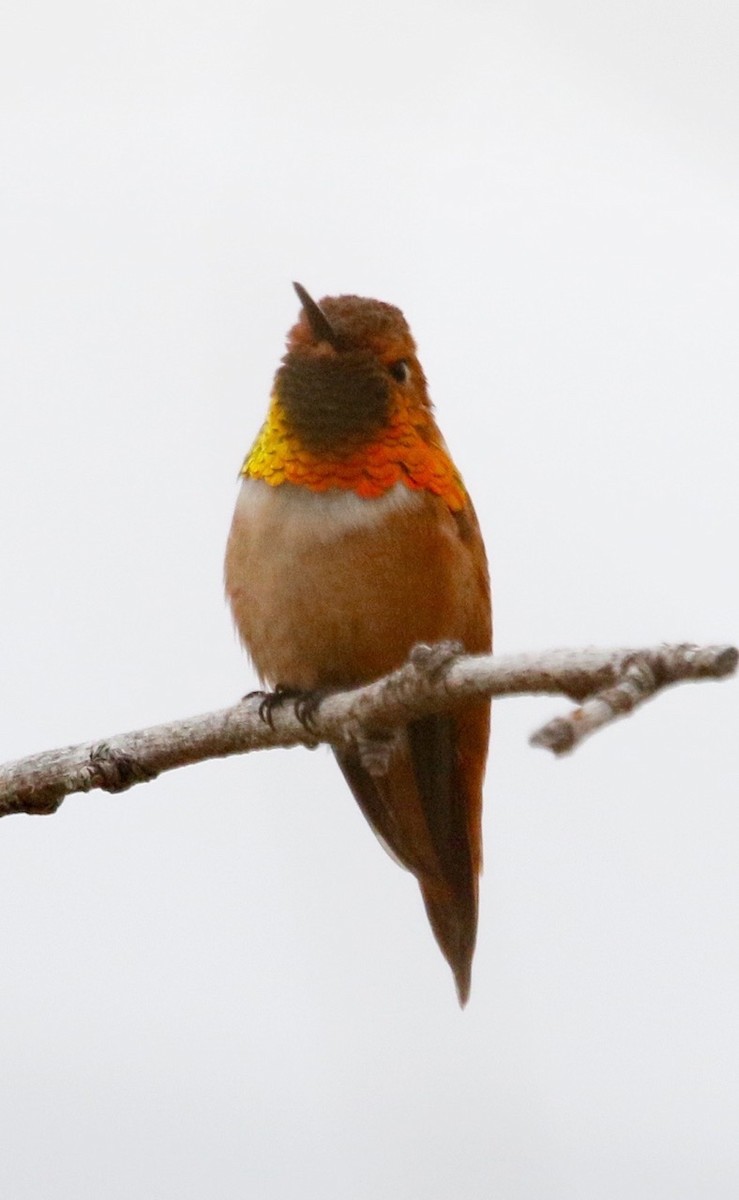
(607, 684)
(640, 675)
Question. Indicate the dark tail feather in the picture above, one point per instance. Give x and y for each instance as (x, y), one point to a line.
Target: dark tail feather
(421, 812)
(454, 923)
(451, 902)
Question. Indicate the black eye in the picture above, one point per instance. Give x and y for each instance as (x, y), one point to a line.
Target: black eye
(400, 370)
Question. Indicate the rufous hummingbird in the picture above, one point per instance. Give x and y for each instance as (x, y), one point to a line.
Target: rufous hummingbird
(353, 540)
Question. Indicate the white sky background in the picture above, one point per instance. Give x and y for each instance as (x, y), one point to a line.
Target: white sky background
(218, 985)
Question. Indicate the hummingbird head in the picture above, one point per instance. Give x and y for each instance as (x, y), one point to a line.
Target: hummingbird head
(350, 409)
(348, 361)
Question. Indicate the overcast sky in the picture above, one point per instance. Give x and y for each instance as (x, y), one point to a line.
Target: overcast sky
(217, 984)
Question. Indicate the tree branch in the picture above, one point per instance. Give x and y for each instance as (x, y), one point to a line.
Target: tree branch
(606, 684)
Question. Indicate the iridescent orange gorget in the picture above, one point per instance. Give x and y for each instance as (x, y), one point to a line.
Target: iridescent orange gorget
(400, 453)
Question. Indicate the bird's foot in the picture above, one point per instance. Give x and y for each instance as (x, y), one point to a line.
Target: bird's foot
(269, 701)
(305, 703)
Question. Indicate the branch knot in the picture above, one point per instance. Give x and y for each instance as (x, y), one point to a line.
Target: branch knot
(115, 771)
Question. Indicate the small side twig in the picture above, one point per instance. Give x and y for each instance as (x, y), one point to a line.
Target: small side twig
(640, 676)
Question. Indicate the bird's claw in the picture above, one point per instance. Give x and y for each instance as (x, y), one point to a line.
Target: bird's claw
(272, 700)
(305, 704)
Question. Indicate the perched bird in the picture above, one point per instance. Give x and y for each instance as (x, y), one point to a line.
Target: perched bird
(353, 540)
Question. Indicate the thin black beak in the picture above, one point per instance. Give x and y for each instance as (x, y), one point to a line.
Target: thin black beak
(318, 321)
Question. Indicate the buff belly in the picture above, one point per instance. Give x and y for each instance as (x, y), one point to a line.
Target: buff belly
(330, 589)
